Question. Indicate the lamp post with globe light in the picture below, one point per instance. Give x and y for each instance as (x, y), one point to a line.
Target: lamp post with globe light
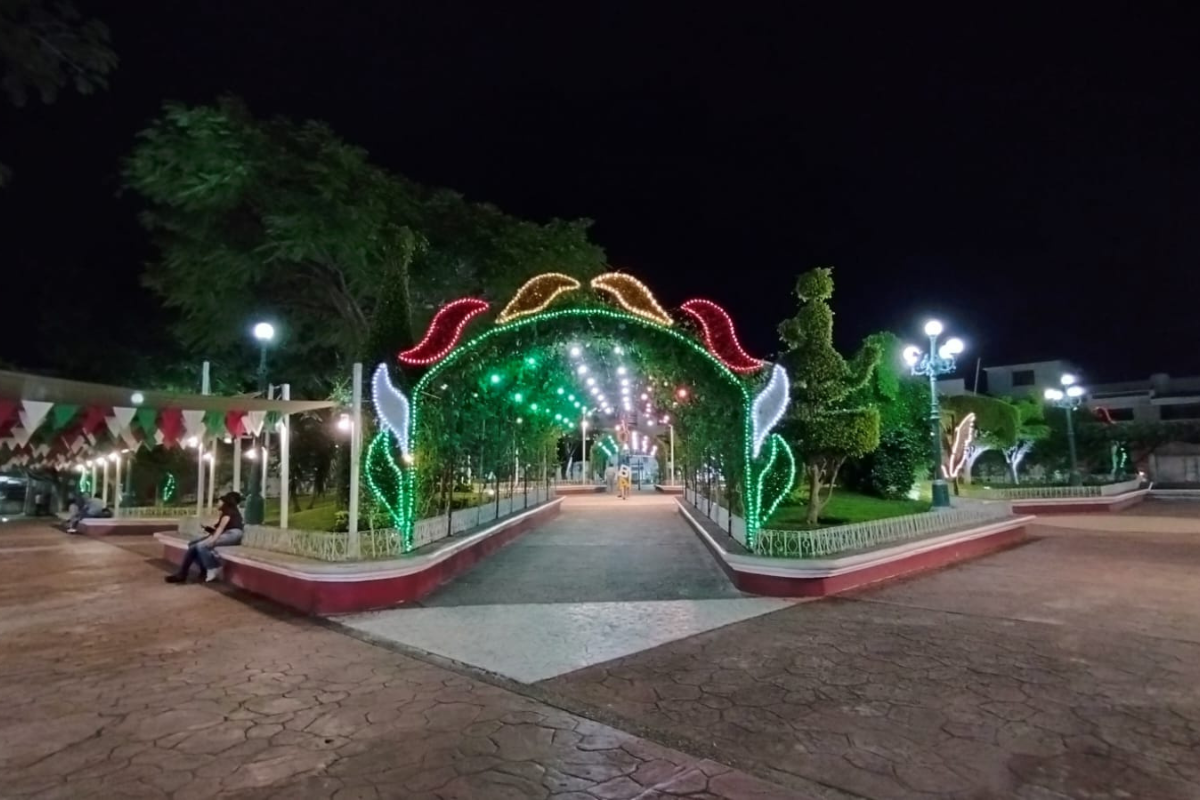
(937, 361)
(1068, 399)
(264, 332)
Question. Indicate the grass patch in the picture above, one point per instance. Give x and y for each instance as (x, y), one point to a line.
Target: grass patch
(844, 508)
(318, 518)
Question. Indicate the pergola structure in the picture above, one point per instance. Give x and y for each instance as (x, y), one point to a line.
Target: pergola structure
(58, 424)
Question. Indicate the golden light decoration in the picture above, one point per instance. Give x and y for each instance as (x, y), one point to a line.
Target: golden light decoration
(536, 294)
(633, 295)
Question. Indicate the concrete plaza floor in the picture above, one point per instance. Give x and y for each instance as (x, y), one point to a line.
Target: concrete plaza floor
(607, 578)
(1068, 667)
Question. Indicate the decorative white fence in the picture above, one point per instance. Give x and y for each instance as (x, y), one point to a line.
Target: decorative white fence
(155, 512)
(1055, 492)
(427, 531)
(822, 542)
(846, 538)
(732, 524)
(380, 543)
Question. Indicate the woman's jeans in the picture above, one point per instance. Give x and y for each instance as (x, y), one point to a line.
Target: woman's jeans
(198, 551)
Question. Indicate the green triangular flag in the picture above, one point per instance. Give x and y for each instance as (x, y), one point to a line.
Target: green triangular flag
(147, 419)
(273, 418)
(61, 414)
(214, 423)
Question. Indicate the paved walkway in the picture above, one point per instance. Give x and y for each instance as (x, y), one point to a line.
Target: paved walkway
(116, 685)
(607, 578)
(1065, 668)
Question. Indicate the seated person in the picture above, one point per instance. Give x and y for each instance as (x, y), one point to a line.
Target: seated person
(91, 508)
(226, 533)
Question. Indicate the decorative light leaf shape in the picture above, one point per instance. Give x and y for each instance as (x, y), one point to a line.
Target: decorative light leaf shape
(536, 294)
(385, 479)
(719, 335)
(777, 477)
(768, 407)
(391, 406)
(444, 330)
(964, 434)
(633, 295)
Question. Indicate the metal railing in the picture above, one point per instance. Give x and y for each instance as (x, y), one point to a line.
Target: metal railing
(1054, 492)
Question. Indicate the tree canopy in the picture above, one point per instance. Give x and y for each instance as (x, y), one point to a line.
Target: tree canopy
(285, 220)
(822, 424)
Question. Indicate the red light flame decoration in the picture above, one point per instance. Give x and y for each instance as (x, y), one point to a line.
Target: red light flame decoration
(444, 330)
(720, 337)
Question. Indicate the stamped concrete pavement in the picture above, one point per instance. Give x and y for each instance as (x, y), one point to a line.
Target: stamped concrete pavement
(1065, 668)
(114, 685)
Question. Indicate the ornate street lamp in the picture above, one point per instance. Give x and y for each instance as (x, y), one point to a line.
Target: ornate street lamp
(937, 361)
(1068, 399)
(264, 332)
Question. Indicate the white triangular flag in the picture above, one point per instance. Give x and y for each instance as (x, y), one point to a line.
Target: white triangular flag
(130, 438)
(124, 416)
(254, 422)
(33, 412)
(22, 435)
(114, 426)
(193, 423)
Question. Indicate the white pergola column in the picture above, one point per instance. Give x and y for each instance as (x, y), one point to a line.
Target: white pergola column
(353, 541)
(285, 448)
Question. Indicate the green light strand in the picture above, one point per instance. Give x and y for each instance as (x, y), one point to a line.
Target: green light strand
(408, 500)
(778, 445)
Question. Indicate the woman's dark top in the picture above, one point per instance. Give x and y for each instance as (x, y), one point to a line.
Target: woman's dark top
(235, 517)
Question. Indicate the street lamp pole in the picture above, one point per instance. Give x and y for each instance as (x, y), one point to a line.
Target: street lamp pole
(1068, 399)
(583, 427)
(937, 361)
(264, 332)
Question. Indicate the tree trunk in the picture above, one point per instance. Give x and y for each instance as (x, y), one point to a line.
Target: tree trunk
(814, 494)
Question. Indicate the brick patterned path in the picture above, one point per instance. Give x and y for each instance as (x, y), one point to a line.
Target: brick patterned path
(114, 684)
(1065, 668)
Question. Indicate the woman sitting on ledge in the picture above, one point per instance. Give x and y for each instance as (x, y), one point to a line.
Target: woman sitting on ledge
(226, 533)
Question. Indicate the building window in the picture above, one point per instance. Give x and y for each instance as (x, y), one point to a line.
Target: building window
(1022, 377)
(1181, 411)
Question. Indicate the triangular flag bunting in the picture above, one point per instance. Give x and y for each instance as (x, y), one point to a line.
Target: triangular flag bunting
(93, 418)
(7, 409)
(254, 422)
(193, 423)
(234, 423)
(146, 420)
(21, 435)
(170, 425)
(214, 423)
(61, 414)
(124, 416)
(130, 438)
(33, 412)
(114, 426)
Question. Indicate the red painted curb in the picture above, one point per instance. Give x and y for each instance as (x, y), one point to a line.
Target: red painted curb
(127, 527)
(776, 585)
(324, 593)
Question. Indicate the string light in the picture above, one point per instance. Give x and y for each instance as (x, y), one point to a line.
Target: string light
(769, 406)
(536, 295)
(964, 434)
(444, 331)
(404, 500)
(778, 445)
(633, 295)
(719, 335)
(391, 406)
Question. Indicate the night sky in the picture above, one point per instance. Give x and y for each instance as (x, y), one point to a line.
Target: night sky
(1034, 180)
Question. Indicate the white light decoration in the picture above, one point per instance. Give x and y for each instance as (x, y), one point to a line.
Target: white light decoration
(113, 457)
(581, 369)
(621, 370)
(192, 441)
(624, 381)
(591, 381)
(137, 398)
(954, 345)
(964, 434)
(1074, 391)
(645, 396)
(1067, 379)
(933, 328)
(344, 423)
(391, 406)
(625, 390)
(769, 406)
(1053, 394)
(912, 355)
(264, 331)
(575, 351)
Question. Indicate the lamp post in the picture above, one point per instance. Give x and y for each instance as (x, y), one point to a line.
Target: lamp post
(264, 332)
(583, 427)
(1068, 399)
(936, 361)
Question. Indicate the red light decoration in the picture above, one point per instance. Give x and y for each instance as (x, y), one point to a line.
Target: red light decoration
(719, 335)
(445, 328)
(682, 394)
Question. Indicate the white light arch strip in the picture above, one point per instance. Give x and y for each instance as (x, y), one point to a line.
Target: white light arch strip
(391, 406)
(769, 406)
